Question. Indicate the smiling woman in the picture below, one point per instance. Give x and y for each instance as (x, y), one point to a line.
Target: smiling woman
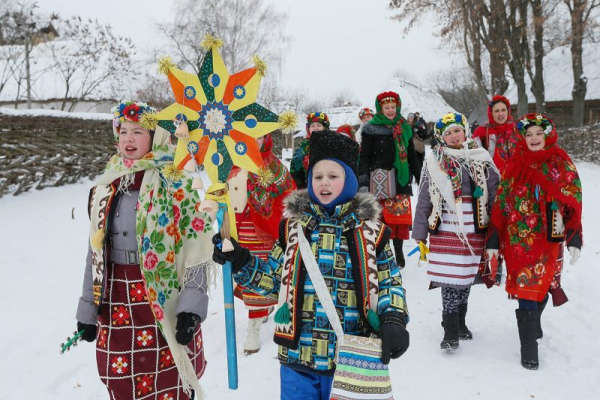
(143, 305)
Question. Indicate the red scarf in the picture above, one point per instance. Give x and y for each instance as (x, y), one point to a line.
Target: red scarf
(530, 181)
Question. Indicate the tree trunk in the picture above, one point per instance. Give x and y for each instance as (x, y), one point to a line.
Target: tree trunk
(537, 82)
(497, 49)
(579, 79)
(28, 70)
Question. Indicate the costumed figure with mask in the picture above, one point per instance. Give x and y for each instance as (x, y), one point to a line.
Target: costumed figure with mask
(257, 200)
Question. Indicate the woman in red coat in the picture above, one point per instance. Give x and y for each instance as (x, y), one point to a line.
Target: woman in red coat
(537, 209)
(498, 136)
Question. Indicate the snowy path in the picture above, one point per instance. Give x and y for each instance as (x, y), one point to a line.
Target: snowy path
(42, 256)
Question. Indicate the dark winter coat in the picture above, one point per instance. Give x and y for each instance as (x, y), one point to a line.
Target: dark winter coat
(378, 151)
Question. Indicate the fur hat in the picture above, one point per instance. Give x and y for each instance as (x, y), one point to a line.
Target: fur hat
(328, 144)
(450, 120)
(319, 117)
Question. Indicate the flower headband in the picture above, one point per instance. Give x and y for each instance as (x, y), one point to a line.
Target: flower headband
(320, 117)
(137, 112)
(449, 120)
(534, 119)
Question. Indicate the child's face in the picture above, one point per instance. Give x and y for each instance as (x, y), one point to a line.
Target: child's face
(366, 118)
(535, 138)
(389, 110)
(327, 180)
(454, 137)
(315, 127)
(499, 113)
(134, 141)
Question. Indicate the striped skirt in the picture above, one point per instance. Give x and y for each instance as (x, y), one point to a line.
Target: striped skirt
(451, 262)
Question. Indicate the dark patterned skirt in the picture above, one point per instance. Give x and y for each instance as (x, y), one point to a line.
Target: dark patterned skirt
(134, 360)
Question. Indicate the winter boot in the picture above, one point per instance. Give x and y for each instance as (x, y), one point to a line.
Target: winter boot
(463, 332)
(399, 253)
(450, 323)
(252, 343)
(541, 306)
(527, 321)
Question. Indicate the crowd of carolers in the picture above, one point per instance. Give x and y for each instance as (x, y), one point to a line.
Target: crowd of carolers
(505, 196)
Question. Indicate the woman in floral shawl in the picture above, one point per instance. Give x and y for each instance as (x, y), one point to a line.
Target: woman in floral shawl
(538, 208)
(458, 185)
(144, 290)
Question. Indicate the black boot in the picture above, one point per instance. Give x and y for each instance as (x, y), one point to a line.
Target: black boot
(450, 324)
(541, 306)
(527, 321)
(463, 332)
(399, 254)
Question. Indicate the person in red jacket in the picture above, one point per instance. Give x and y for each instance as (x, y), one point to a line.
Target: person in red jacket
(498, 136)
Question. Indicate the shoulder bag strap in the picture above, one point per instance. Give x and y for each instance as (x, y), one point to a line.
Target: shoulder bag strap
(319, 284)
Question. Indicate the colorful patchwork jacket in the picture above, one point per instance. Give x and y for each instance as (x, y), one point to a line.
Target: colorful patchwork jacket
(348, 245)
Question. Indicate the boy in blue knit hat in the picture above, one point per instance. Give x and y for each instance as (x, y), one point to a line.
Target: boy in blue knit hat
(354, 256)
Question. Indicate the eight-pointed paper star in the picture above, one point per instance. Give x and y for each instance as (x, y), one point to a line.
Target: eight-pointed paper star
(222, 116)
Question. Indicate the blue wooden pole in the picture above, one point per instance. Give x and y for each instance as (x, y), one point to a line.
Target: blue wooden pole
(232, 370)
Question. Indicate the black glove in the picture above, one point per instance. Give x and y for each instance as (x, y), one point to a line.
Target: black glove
(394, 336)
(186, 325)
(89, 331)
(239, 256)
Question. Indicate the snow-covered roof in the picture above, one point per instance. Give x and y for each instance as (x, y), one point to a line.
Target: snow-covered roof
(558, 75)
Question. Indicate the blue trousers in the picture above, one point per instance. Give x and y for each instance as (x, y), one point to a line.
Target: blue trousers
(296, 385)
(530, 304)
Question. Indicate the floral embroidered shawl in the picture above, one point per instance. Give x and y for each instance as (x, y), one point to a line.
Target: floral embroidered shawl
(172, 235)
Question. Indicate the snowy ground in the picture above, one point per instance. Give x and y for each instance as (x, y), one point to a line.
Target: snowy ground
(42, 257)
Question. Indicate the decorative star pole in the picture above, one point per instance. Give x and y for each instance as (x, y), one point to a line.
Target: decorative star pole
(217, 122)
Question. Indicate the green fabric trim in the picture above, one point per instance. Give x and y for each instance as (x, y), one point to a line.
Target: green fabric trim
(478, 192)
(374, 320)
(401, 166)
(362, 371)
(282, 316)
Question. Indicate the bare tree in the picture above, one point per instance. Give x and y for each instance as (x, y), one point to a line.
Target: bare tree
(22, 24)
(92, 60)
(581, 12)
(247, 28)
(459, 90)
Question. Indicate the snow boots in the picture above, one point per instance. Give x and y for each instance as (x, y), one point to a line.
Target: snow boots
(399, 253)
(463, 332)
(252, 343)
(541, 306)
(528, 323)
(450, 322)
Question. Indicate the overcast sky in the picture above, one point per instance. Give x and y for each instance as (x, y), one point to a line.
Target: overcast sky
(336, 45)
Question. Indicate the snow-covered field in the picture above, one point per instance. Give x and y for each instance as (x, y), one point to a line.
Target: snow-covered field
(43, 251)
